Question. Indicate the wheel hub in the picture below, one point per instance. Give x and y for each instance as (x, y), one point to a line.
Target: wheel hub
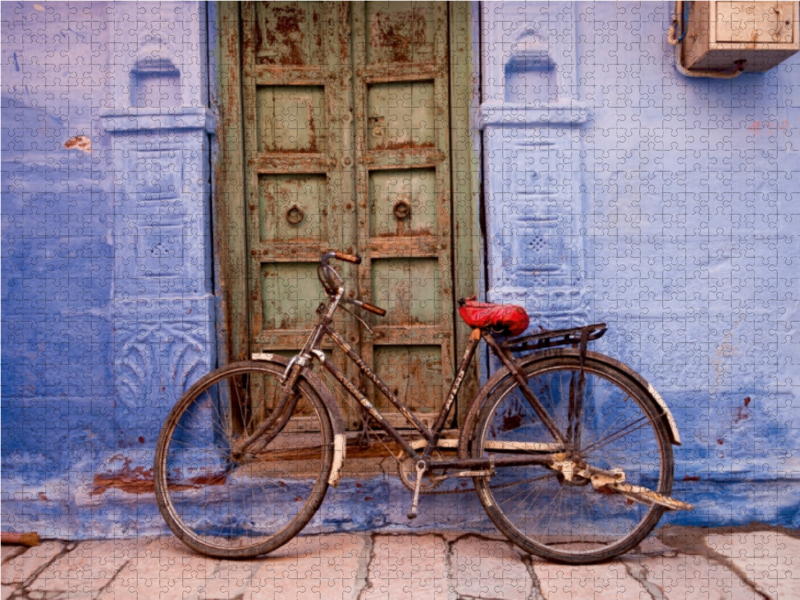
(570, 472)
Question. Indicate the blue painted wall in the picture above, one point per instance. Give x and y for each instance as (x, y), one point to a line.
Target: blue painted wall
(619, 190)
(57, 269)
(106, 288)
(616, 190)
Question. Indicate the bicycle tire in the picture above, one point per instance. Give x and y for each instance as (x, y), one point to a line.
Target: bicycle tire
(615, 524)
(226, 509)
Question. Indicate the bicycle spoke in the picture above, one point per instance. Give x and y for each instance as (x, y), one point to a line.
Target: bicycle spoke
(503, 486)
(620, 433)
(620, 415)
(532, 479)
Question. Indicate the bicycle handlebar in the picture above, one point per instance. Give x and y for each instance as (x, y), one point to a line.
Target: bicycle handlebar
(351, 258)
(367, 306)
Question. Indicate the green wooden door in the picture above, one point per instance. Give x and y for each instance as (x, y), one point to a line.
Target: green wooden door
(347, 145)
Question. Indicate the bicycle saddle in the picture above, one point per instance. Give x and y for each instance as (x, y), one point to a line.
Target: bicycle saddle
(506, 319)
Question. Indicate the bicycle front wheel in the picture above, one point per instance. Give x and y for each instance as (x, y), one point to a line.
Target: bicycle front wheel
(549, 512)
(241, 508)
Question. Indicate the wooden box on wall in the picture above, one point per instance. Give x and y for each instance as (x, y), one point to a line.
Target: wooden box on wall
(723, 34)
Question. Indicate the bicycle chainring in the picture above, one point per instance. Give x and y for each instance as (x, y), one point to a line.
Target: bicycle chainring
(407, 472)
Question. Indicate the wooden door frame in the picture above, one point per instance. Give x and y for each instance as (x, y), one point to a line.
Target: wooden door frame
(230, 244)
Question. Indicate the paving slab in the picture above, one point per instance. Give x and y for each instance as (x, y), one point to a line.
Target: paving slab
(690, 564)
(687, 577)
(310, 567)
(8, 552)
(163, 568)
(409, 567)
(590, 582)
(21, 567)
(229, 580)
(652, 546)
(484, 568)
(771, 560)
(86, 569)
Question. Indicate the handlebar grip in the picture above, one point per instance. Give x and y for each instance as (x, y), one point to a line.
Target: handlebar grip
(373, 309)
(351, 258)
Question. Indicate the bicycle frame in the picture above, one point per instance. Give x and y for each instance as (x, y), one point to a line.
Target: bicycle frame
(312, 350)
(494, 438)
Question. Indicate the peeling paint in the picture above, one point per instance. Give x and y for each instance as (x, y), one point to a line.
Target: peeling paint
(79, 142)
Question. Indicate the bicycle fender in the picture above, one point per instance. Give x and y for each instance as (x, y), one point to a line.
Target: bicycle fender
(478, 401)
(335, 414)
(675, 437)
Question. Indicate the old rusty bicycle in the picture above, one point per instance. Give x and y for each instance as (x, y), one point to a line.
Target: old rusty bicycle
(570, 451)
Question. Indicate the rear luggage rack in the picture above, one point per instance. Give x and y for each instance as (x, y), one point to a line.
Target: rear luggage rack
(558, 337)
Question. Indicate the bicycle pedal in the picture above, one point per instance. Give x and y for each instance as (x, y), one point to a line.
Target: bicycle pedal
(649, 497)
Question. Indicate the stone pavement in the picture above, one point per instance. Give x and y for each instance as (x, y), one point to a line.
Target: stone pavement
(756, 562)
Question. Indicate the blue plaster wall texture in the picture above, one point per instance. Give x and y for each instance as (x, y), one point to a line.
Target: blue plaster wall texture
(621, 191)
(616, 190)
(107, 298)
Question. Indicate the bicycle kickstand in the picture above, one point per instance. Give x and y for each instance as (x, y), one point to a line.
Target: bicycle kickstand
(415, 504)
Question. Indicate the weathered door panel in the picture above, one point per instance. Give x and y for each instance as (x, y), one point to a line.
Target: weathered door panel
(400, 92)
(291, 118)
(402, 203)
(288, 33)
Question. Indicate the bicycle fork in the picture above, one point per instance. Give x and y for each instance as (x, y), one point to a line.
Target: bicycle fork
(288, 398)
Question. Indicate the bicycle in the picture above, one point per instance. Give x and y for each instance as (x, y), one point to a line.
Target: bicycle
(570, 451)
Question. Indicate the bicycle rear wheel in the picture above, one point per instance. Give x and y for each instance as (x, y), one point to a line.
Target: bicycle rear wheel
(621, 427)
(237, 509)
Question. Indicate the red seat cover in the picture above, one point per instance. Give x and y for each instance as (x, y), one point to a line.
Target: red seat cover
(506, 318)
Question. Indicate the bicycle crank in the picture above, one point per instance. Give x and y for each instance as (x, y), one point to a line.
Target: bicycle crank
(408, 474)
(420, 467)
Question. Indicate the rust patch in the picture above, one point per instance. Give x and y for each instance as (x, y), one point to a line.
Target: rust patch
(287, 19)
(403, 145)
(205, 480)
(344, 40)
(512, 421)
(691, 478)
(79, 142)
(137, 480)
(311, 127)
(511, 418)
(741, 415)
(403, 232)
(747, 402)
(399, 33)
(279, 35)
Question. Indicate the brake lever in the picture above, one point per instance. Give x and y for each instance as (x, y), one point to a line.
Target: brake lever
(363, 322)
